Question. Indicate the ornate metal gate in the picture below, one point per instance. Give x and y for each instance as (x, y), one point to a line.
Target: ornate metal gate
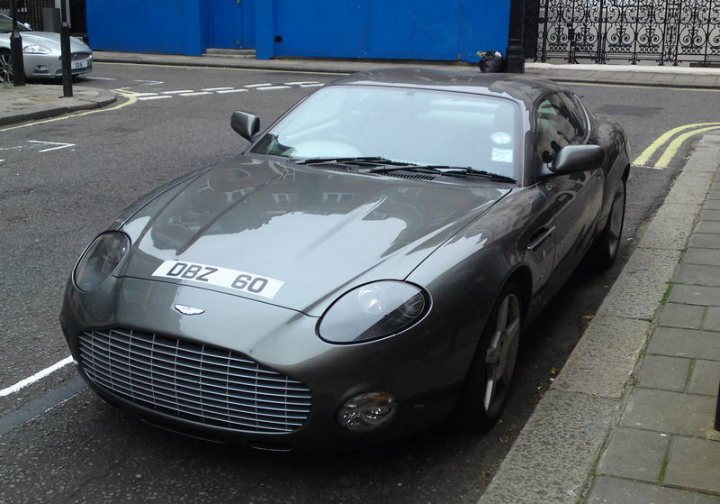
(661, 31)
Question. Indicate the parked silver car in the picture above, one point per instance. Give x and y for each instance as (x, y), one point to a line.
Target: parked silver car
(41, 53)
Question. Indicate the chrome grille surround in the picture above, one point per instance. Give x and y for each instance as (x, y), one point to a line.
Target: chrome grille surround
(206, 384)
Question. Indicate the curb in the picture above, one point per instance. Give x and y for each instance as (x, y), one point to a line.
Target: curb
(105, 99)
(553, 458)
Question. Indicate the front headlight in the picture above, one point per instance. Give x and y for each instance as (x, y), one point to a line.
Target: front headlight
(100, 259)
(373, 311)
(36, 49)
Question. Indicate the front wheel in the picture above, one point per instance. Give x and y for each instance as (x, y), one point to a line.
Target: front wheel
(491, 373)
(6, 67)
(607, 245)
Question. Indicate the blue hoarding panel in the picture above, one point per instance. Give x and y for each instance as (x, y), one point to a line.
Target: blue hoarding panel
(232, 23)
(397, 29)
(161, 26)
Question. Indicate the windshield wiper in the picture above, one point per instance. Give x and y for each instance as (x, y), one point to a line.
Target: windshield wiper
(352, 160)
(447, 170)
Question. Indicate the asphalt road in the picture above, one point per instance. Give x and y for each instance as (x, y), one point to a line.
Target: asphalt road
(62, 181)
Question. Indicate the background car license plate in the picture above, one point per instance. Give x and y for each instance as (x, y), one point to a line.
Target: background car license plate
(78, 65)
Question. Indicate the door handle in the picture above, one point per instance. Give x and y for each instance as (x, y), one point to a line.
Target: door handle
(540, 236)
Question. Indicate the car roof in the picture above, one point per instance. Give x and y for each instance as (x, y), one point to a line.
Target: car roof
(520, 88)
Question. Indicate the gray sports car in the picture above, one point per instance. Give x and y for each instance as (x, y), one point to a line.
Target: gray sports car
(41, 53)
(363, 270)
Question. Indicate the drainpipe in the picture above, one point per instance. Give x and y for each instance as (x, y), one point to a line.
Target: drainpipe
(516, 47)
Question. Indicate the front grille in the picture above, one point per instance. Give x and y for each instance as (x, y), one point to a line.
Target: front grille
(79, 56)
(203, 383)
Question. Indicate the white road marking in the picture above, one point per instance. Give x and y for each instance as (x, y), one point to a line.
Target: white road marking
(232, 91)
(34, 378)
(179, 91)
(149, 82)
(272, 87)
(311, 85)
(145, 98)
(18, 147)
(100, 78)
(200, 93)
(216, 88)
(58, 145)
(142, 94)
(299, 83)
(258, 85)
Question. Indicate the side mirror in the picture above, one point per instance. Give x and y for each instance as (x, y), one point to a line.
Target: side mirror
(244, 124)
(577, 158)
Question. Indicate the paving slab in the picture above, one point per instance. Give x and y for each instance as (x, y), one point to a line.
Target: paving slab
(695, 295)
(638, 291)
(686, 343)
(671, 226)
(681, 315)
(708, 227)
(669, 412)
(663, 373)
(600, 368)
(701, 240)
(609, 490)
(697, 274)
(695, 255)
(635, 454)
(694, 463)
(711, 322)
(552, 456)
(704, 380)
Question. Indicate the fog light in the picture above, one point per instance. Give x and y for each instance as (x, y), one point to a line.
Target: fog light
(366, 412)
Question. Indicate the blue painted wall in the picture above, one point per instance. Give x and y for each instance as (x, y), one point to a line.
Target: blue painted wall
(375, 29)
(159, 26)
(398, 29)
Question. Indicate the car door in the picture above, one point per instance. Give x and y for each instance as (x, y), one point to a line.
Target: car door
(574, 200)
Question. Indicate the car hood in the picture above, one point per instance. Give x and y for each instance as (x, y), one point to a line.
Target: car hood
(317, 231)
(52, 41)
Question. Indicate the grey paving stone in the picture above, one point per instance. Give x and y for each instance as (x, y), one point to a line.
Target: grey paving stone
(704, 380)
(641, 285)
(711, 205)
(685, 343)
(552, 458)
(605, 357)
(694, 463)
(713, 195)
(708, 227)
(664, 373)
(608, 490)
(681, 315)
(701, 240)
(691, 186)
(671, 226)
(697, 274)
(669, 412)
(712, 319)
(695, 295)
(711, 215)
(634, 454)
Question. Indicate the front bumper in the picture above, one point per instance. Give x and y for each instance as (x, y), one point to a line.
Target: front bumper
(415, 367)
(49, 66)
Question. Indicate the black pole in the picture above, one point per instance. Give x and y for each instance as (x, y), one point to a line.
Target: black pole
(516, 47)
(717, 411)
(16, 50)
(65, 52)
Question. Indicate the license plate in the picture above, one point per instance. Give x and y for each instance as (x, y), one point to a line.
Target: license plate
(242, 281)
(79, 65)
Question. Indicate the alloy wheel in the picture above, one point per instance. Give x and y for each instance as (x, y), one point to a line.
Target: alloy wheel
(502, 352)
(616, 221)
(6, 69)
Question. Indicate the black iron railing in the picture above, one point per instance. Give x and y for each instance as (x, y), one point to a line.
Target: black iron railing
(632, 31)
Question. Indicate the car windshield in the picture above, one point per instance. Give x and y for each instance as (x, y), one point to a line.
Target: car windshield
(413, 125)
(6, 25)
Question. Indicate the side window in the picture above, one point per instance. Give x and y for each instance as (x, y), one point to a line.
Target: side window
(557, 126)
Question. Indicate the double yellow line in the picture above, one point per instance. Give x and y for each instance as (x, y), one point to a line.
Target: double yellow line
(681, 134)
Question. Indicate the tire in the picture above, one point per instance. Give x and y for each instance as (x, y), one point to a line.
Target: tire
(6, 68)
(606, 247)
(490, 376)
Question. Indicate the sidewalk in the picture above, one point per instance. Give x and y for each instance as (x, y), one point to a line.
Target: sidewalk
(629, 420)
(665, 76)
(39, 101)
